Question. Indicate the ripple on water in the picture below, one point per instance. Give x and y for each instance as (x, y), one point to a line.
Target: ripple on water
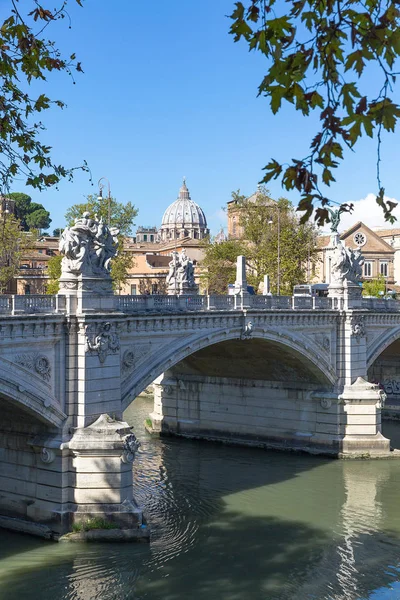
(230, 523)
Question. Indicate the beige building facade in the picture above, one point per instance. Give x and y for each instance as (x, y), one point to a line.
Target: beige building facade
(379, 254)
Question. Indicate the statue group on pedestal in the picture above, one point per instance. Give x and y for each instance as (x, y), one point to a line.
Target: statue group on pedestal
(347, 265)
(88, 247)
(180, 278)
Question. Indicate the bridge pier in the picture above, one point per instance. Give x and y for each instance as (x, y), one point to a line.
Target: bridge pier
(271, 414)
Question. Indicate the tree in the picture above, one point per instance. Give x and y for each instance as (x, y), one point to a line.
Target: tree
(27, 57)
(374, 287)
(57, 232)
(120, 268)
(32, 215)
(54, 273)
(13, 245)
(317, 53)
(122, 217)
(38, 219)
(219, 264)
(268, 223)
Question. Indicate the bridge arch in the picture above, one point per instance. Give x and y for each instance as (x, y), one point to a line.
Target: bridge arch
(295, 343)
(17, 387)
(381, 343)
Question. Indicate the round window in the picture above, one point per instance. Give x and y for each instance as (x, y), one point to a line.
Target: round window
(360, 238)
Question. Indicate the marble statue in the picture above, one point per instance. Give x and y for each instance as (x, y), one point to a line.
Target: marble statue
(88, 247)
(181, 274)
(347, 265)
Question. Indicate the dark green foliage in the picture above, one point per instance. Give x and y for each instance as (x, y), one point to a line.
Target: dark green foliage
(31, 214)
(317, 53)
(28, 56)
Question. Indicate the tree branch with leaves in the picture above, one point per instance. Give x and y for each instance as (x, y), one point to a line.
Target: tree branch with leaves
(318, 52)
(27, 55)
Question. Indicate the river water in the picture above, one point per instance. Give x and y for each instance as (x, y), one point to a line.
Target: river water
(231, 523)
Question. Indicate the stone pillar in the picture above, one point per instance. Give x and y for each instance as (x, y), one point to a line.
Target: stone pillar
(267, 287)
(363, 402)
(101, 473)
(242, 297)
(352, 348)
(164, 386)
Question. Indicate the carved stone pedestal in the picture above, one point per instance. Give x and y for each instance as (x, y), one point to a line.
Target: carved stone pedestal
(101, 477)
(363, 402)
(352, 295)
(185, 289)
(87, 294)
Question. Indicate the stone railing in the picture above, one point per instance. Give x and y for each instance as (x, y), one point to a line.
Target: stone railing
(133, 304)
(32, 304)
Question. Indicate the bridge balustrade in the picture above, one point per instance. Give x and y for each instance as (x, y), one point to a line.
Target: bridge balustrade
(32, 304)
(261, 301)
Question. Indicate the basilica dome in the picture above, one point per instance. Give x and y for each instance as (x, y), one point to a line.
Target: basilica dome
(183, 218)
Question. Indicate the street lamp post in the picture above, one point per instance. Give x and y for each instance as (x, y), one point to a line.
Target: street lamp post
(100, 196)
(278, 286)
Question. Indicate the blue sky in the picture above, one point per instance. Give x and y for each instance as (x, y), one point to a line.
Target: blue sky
(166, 93)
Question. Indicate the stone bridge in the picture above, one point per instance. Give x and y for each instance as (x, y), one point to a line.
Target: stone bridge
(277, 372)
(272, 371)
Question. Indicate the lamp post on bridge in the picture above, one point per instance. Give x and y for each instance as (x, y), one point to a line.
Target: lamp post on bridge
(270, 222)
(100, 196)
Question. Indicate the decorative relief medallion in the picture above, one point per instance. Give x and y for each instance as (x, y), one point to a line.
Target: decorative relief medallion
(357, 326)
(326, 344)
(132, 357)
(47, 456)
(104, 342)
(128, 360)
(325, 402)
(35, 362)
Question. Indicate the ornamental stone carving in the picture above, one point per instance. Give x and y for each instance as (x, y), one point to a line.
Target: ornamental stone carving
(180, 278)
(357, 326)
(326, 344)
(325, 403)
(134, 356)
(39, 363)
(103, 343)
(47, 455)
(88, 247)
(131, 446)
(346, 265)
(247, 331)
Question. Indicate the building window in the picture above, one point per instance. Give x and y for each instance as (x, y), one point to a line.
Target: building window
(233, 225)
(145, 237)
(368, 268)
(154, 288)
(40, 251)
(383, 268)
(27, 289)
(133, 290)
(152, 238)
